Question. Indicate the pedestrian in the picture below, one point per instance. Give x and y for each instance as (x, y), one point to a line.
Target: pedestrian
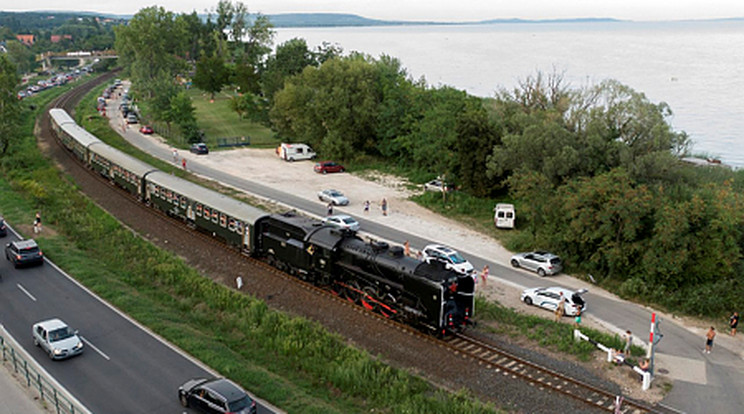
(183, 163)
(577, 318)
(407, 248)
(484, 274)
(384, 206)
(709, 340)
(628, 342)
(366, 207)
(560, 308)
(645, 364)
(419, 255)
(329, 207)
(734, 322)
(37, 223)
(175, 155)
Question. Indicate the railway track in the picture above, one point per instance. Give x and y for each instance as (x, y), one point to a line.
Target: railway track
(488, 356)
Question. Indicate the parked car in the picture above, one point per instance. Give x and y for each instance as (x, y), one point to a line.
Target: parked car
(146, 129)
(450, 257)
(218, 395)
(549, 298)
(132, 118)
(342, 221)
(3, 228)
(542, 262)
(57, 339)
(199, 148)
(23, 252)
(333, 196)
(324, 167)
(439, 186)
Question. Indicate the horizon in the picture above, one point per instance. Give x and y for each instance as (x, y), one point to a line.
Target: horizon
(438, 11)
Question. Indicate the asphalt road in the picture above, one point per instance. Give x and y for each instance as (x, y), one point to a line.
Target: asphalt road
(702, 383)
(124, 368)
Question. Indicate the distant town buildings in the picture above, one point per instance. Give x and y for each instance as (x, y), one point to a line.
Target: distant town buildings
(26, 39)
(58, 38)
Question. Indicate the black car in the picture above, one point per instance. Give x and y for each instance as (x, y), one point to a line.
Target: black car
(218, 395)
(3, 228)
(200, 148)
(24, 252)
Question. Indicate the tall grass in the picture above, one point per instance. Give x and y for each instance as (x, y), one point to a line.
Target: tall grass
(292, 362)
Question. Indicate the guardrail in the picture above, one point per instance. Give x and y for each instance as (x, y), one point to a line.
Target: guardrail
(37, 378)
(233, 141)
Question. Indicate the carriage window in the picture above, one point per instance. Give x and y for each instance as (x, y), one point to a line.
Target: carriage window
(231, 225)
(240, 227)
(215, 216)
(157, 191)
(206, 213)
(198, 209)
(223, 220)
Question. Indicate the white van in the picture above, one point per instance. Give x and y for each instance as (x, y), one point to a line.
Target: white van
(503, 216)
(295, 152)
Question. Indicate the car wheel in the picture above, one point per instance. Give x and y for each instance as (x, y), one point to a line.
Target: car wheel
(51, 354)
(341, 170)
(515, 263)
(36, 342)
(541, 272)
(184, 400)
(324, 172)
(528, 300)
(291, 159)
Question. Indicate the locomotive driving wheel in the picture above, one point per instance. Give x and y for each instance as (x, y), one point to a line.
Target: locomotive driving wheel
(370, 298)
(353, 291)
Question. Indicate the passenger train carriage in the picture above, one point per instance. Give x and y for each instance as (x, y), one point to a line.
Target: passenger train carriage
(371, 274)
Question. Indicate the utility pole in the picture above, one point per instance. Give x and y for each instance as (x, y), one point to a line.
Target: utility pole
(653, 340)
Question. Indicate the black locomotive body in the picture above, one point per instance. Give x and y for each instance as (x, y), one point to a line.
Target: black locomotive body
(372, 274)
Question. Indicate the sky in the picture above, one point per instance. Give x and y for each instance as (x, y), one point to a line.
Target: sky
(429, 10)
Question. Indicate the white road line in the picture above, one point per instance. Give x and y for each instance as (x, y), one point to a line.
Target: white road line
(26, 292)
(94, 348)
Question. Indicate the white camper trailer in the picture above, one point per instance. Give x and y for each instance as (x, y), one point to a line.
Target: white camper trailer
(503, 216)
(295, 152)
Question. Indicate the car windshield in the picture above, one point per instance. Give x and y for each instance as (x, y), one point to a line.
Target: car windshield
(456, 258)
(240, 404)
(348, 220)
(555, 260)
(335, 193)
(29, 250)
(60, 334)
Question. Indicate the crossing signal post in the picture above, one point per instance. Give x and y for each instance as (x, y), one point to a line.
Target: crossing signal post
(653, 339)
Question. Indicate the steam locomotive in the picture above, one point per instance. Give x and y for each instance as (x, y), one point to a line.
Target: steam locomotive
(372, 274)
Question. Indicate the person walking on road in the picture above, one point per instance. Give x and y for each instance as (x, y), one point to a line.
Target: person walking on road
(183, 163)
(366, 207)
(330, 209)
(709, 340)
(628, 342)
(484, 274)
(734, 322)
(407, 248)
(175, 155)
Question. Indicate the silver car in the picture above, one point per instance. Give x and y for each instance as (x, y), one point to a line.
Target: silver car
(342, 221)
(57, 339)
(544, 263)
(549, 298)
(335, 197)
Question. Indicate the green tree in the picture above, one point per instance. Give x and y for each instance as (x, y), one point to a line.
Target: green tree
(22, 57)
(291, 58)
(181, 109)
(211, 74)
(10, 109)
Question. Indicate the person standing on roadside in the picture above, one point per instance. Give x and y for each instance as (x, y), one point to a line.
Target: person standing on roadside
(329, 207)
(484, 274)
(37, 223)
(407, 248)
(577, 318)
(560, 308)
(734, 322)
(175, 155)
(366, 207)
(384, 206)
(183, 163)
(709, 340)
(628, 342)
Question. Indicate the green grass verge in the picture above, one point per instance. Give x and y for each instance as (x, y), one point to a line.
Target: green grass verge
(289, 361)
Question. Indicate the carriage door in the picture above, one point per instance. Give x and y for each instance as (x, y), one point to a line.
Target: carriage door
(246, 236)
(190, 213)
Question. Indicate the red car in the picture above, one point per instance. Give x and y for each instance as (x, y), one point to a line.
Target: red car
(146, 129)
(324, 167)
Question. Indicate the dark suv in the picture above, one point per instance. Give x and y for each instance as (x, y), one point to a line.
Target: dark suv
(217, 395)
(24, 252)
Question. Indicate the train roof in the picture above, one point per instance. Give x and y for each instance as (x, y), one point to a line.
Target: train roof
(61, 116)
(213, 199)
(79, 134)
(121, 158)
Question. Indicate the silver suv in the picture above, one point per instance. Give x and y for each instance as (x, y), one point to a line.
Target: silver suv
(544, 263)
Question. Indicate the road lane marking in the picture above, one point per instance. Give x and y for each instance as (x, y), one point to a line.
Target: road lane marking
(26, 292)
(94, 348)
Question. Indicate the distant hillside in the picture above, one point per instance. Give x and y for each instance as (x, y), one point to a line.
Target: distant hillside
(324, 20)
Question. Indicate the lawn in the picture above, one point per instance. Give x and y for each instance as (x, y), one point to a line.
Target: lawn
(217, 120)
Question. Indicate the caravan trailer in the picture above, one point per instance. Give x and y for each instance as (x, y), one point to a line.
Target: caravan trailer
(295, 152)
(503, 216)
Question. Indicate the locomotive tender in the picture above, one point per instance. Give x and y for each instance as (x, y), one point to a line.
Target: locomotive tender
(372, 274)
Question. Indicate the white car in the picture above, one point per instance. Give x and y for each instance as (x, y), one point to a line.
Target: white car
(342, 221)
(57, 339)
(549, 298)
(542, 262)
(333, 196)
(450, 257)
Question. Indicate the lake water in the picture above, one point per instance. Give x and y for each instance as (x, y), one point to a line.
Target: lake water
(695, 67)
